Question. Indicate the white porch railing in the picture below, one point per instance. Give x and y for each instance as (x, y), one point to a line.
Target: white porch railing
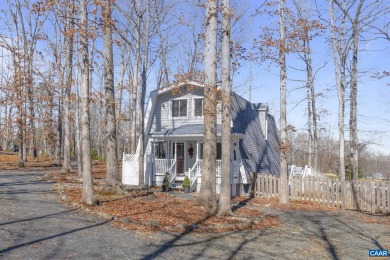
(162, 166)
(193, 174)
(219, 162)
(172, 172)
(306, 171)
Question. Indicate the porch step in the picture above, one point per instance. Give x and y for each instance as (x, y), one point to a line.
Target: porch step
(180, 177)
(177, 184)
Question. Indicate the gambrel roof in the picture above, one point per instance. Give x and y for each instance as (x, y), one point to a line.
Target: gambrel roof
(259, 154)
(259, 151)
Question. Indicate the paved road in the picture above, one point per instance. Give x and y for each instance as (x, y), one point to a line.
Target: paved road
(34, 226)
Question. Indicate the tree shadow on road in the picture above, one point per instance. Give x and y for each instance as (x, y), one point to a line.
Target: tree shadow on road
(6, 250)
(36, 218)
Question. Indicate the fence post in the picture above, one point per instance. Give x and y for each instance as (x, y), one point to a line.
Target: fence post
(347, 195)
(338, 190)
(383, 199)
(274, 187)
(388, 197)
(372, 195)
(378, 198)
(353, 194)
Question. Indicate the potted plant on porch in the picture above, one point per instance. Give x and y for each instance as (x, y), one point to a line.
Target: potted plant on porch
(186, 184)
(165, 185)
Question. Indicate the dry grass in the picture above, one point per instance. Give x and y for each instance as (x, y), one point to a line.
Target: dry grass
(10, 161)
(375, 219)
(293, 205)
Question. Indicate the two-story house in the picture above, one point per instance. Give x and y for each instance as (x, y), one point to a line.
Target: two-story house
(174, 139)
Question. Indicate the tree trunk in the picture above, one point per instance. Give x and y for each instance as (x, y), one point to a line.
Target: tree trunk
(78, 135)
(112, 176)
(88, 192)
(133, 106)
(341, 103)
(66, 166)
(142, 93)
(310, 79)
(353, 94)
(225, 195)
(208, 187)
(284, 192)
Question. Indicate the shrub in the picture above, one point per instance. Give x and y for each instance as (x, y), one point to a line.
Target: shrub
(186, 182)
(166, 180)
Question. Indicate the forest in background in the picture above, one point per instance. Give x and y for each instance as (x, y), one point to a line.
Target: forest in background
(47, 47)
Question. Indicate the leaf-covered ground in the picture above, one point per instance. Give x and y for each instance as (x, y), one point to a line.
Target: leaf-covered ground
(153, 210)
(10, 161)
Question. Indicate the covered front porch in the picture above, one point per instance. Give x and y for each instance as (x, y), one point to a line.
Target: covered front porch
(180, 157)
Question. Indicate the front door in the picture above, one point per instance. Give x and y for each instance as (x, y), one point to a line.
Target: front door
(178, 150)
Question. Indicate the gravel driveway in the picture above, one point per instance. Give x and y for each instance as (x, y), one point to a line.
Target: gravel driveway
(33, 225)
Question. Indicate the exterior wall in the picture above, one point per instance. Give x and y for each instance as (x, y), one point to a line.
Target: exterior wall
(162, 118)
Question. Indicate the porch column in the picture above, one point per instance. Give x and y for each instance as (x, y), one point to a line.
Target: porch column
(175, 155)
(197, 150)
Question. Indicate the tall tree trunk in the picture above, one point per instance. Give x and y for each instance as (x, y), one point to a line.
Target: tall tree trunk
(225, 195)
(58, 147)
(66, 166)
(19, 104)
(112, 176)
(78, 135)
(142, 93)
(118, 111)
(134, 95)
(341, 103)
(309, 125)
(310, 79)
(88, 192)
(208, 187)
(353, 94)
(284, 189)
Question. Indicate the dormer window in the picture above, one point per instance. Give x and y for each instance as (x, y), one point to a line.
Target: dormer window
(198, 107)
(179, 108)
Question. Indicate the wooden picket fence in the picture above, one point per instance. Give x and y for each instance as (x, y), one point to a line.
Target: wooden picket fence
(362, 195)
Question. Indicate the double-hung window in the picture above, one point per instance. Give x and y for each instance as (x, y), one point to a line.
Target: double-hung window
(179, 108)
(159, 150)
(198, 107)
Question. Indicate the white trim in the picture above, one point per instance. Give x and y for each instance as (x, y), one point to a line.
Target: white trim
(179, 84)
(171, 106)
(193, 107)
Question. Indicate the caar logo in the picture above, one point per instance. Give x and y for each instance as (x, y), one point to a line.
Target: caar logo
(378, 253)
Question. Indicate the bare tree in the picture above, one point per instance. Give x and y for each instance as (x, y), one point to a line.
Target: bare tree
(88, 192)
(208, 188)
(225, 194)
(68, 33)
(284, 192)
(112, 175)
(339, 51)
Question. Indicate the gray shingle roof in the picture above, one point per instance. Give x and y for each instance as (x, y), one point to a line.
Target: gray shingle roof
(259, 155)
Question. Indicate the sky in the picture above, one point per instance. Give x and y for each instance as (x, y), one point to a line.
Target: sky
(373, 94)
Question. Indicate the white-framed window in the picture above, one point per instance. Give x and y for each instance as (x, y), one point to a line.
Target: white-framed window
(179, 108)
(198, 107)
(159, 149)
